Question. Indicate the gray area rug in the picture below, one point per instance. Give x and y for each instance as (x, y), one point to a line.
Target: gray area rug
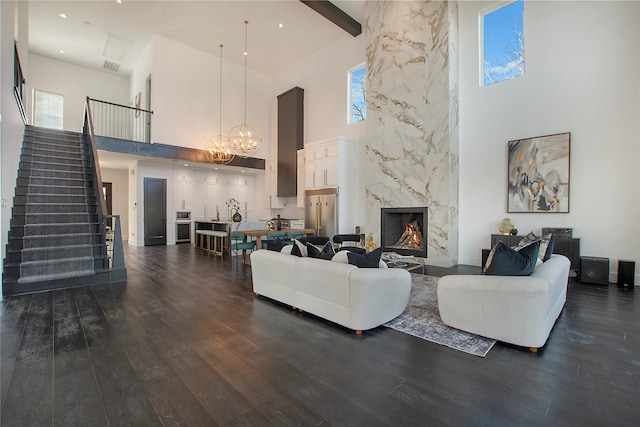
(421, 319)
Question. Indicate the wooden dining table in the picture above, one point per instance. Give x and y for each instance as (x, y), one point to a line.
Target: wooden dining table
(259, 234)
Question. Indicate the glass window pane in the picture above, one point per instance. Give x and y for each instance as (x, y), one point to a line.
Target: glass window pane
(357, 94)
(47, 109)
(503, 43)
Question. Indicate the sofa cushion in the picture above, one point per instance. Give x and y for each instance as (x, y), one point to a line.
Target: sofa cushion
(368, 260)
(275, 245)
(546, 244)
(326, 252)
(505, 261)
(299, 249)
(341, 256)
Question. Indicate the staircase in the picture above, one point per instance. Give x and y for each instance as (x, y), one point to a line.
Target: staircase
(56, 239)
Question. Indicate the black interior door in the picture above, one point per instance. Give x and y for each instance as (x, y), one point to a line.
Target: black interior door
(155, 211)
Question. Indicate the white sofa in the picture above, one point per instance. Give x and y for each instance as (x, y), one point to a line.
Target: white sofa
(357, 298)
(519, 310)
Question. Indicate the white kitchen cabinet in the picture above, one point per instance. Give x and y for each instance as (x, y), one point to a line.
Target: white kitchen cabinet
(301, 179)
(271, 184)
(183, 195)
(321, 163)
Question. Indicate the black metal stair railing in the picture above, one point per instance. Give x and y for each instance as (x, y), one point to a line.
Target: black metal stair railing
(115, 262)
(120, 121)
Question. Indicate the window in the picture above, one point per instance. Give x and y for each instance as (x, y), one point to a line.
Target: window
(502, 43)
(357, 94)
(47, 109)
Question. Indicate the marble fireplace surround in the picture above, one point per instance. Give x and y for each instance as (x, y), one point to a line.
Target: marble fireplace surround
(411, 130)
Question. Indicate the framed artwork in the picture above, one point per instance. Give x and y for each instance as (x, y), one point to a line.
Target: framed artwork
(539, 174)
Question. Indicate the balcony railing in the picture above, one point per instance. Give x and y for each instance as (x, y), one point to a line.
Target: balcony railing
(120, 121)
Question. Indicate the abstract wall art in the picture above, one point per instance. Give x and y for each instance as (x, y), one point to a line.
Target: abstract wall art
(539, 174)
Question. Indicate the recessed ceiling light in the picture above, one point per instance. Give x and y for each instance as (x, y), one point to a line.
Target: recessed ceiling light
(61, 51)
(186, 164)
(62, 15)
(119, 1)
(280, 26)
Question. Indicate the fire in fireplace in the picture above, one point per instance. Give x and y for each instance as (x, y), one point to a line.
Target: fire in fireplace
(412, 236)
(404, 230)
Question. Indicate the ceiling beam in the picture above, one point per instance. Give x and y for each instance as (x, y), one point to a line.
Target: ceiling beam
(334, 14)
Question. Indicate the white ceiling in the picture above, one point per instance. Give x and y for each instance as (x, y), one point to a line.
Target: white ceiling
(104, 30)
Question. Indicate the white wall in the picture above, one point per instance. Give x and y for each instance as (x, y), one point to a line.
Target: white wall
(119, 178)
(75, 83)
(323, 76)
(185, 97)
(582, 62)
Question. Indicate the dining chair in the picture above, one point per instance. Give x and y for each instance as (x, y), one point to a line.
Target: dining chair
(238, 244)
(273, 235)
(348, 242)
(291, 235)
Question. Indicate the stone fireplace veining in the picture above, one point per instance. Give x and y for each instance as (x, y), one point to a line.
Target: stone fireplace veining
(394, 223)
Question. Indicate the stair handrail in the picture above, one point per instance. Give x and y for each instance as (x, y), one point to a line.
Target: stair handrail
(19, 83)
(87, 129)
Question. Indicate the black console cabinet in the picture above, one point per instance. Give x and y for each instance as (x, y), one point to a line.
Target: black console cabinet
(567, 246)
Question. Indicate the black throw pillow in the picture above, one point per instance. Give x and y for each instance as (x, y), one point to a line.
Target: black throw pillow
(548, 251)
(326, 252)
(370, 260)
(296, 248)
(504, 261)
(275, 245)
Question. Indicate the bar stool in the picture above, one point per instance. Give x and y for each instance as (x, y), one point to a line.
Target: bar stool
(219, 242)
(201, 239)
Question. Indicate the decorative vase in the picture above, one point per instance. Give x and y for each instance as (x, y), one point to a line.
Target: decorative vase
(278, 223)
(237, 217)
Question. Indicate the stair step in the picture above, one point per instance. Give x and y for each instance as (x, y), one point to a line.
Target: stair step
(35, 271)
(61, 160)
(56, 181)
(52, 166)
(54, 218)
(52, 190)
(35, 172)
(56, 198)
(62, 228)
(51, 240)
(31, 148)
(51, 208)
(54, 252)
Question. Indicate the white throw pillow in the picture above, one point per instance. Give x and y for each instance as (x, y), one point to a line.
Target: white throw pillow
(286, 249)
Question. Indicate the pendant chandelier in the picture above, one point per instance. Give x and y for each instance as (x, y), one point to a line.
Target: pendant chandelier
(217, 147)
(245, 140)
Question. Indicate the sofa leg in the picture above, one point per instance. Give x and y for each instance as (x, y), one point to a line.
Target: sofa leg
(358, 332)
(533, 349)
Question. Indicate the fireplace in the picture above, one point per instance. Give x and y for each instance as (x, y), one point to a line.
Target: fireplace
(404, 230)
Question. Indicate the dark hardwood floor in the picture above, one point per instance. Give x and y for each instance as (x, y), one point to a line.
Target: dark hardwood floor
(185, 342)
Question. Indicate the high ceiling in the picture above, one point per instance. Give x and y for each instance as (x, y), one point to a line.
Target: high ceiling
(97, 31)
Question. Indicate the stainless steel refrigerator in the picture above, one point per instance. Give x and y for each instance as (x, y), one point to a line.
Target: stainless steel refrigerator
(321, 211)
